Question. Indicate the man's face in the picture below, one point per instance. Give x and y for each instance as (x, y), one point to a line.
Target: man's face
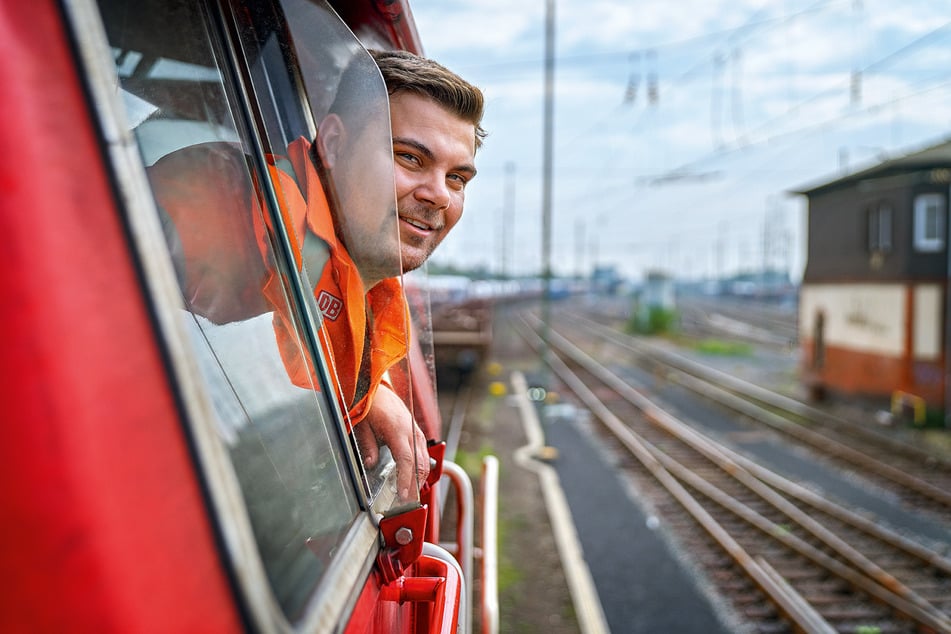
(360, 165)
(434, 154)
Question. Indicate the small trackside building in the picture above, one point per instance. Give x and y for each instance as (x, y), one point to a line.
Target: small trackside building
(874, 297)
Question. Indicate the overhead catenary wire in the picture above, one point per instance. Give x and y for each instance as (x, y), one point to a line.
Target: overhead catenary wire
(786, 146)
(609, 188)
(765, 134)
(725, 38)
(793, 111)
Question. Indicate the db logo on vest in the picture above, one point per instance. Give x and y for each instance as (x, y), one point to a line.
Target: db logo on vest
(329, 306)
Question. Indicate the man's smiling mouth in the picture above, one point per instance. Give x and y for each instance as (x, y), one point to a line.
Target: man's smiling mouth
(419, 224)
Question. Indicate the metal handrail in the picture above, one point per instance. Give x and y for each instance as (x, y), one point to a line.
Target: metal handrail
(490, 567)
(462, 550)
(437, 552)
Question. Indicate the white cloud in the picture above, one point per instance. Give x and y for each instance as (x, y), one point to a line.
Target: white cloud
(775, 114)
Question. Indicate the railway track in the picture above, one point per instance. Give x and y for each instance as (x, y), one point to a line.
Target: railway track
(915, 475)
(787, 559)
(454, 402)
(756, 323)
(701, 318)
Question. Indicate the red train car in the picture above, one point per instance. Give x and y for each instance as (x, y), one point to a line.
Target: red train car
(159, 470)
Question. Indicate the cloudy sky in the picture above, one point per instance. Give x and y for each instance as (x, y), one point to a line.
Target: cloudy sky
(681, 125)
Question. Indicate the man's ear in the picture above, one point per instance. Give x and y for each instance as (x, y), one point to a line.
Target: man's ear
(330, 139)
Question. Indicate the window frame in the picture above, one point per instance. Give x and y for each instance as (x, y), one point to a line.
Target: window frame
(338, 589)
(923, 204)
(381, 498)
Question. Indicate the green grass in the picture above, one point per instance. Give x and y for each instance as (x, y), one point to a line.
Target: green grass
(508, 574)
(471, 461)
(721, 348)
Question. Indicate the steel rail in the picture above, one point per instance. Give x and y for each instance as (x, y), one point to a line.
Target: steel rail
(698, 379)
(759, 393)
(864, 569)
(744, 330)
(924, 614)
(787, 604)
(928, 556)
(457, 419)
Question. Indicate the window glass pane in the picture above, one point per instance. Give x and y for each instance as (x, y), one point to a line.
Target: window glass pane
(880, 228)
(885, 228)
(327, 132)
(284, 442)
(929, 222)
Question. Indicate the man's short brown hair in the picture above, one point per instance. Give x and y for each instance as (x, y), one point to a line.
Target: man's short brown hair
(406, 72)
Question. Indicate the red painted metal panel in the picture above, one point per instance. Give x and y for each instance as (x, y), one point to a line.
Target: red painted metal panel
(425, 601)
(387, 21)
(104, 525)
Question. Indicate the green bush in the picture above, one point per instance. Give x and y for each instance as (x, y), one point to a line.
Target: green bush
(653, 321)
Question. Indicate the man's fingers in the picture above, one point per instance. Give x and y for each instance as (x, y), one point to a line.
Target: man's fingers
(366, 443)
(412, 465)
(422, 456)
(406, 477)
(390, 421)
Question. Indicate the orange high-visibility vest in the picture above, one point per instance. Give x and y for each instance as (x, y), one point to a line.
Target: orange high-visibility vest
(207, 192)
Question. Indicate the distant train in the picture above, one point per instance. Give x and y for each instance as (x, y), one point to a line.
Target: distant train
(160, 472)
(463, 312)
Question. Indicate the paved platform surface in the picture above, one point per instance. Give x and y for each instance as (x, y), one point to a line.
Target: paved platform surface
(641, 581)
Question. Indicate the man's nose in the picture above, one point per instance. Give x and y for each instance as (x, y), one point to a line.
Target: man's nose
(434, 190)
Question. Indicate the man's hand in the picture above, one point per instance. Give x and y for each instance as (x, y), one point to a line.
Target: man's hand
(390, 422)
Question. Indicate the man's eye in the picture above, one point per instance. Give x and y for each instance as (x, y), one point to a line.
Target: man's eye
(409, 158)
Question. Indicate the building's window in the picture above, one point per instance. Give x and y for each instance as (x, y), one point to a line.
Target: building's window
(929, 222)
(880, 228)
(238, 285)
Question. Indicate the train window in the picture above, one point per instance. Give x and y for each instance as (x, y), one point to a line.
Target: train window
(929, 222)
(325, 117)
(880, 228)
(207, 177)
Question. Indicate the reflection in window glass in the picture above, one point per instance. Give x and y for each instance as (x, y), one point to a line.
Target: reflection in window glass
(334, 175)
(283, 442)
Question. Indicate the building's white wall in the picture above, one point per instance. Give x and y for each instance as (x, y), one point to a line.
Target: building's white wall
(927, 322)
(863, 317)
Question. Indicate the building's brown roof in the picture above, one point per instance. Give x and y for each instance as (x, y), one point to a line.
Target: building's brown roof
(931, 157)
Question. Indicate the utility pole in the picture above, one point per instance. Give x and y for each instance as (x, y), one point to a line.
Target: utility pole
(579, 248)
(508, 213)
(547, 184)
(765, 254)
(721, 261)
